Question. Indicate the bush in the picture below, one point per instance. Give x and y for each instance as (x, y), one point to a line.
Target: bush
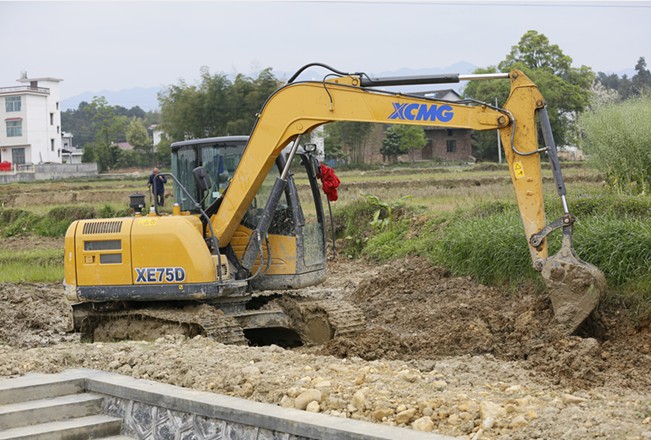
(17, 222)
(55, 223)
(618, 139)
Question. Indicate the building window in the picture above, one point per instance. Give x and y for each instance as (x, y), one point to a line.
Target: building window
(51, 118)
(18, 156)
(51, 144)
(12, 103)
(451, 146)
(57, 106)
(58, 129)
(14, 128)
(449, 132)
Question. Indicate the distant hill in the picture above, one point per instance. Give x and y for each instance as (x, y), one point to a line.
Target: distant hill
(144, 97)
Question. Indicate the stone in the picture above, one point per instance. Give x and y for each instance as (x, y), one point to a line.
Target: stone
(439, 384)
(313, 407)
(405, 416)
(307, 396)
(490, 412)
(323, 384)
(518, 421)
(513, 389)
(569, 399)
(359, 401)
(381, 413)
(424, 424)
(251, 370)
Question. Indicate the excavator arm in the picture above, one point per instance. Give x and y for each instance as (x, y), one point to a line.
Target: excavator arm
(299, 107)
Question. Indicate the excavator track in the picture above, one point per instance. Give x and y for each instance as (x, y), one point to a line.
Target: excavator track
(321, 319)
(143, 323)
(314, 320)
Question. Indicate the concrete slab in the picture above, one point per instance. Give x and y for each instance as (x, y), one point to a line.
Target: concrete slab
(146, 406)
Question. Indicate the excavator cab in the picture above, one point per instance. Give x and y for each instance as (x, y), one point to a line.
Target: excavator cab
(293, 254)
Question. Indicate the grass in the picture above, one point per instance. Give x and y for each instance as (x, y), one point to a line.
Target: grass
(485, 240)
(39, 265)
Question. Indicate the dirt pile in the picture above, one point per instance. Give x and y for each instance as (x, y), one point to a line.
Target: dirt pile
(416, 311)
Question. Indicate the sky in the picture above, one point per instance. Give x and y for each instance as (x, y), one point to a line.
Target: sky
(96, 45)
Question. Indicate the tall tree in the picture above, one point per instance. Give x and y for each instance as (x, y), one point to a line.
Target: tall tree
(108, 129)
(641, 81)
(566, 89)
(391, 145)
(412, 138)
(215, 107)
(138, 137)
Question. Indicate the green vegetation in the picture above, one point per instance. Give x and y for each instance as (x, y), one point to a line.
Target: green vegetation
(40, 265)
(486, 241)
(54, 223)
(618, 135)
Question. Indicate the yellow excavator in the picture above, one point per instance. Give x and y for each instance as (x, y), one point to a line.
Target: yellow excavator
(235, 258)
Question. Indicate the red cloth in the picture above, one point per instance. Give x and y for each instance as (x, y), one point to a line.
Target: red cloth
(330, 182)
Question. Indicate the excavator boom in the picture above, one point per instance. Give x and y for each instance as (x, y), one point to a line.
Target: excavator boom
(299, 107)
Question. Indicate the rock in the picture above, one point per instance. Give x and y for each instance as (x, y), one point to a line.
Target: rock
(287, 402)
(439, 384)
(382, 413)
(490, 412)
(454, 419)
(323, 384)
(424, 424)
(251, 370)
(313, 407)
(513, 389)
(359, 401)
(408, 376)
(569, 399)
(518, 421)
(307, 396)
(405, 416)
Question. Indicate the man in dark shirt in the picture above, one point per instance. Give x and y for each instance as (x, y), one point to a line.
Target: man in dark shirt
(157, 186)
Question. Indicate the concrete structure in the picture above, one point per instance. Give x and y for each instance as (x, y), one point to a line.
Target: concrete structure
(69, 153)
(30, 173)
(30, 116)
(142, 409)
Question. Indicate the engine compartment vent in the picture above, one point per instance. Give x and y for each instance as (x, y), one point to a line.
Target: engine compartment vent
(103, 227)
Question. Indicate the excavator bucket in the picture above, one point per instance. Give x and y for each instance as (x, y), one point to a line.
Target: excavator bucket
(574, 286)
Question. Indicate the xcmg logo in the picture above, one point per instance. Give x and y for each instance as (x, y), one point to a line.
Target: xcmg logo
(422, 112)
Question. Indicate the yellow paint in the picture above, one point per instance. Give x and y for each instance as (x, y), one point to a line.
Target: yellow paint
(163, 242)
(283, 251)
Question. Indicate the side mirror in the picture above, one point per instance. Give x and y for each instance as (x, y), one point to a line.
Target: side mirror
(202, 178)
(309, 148)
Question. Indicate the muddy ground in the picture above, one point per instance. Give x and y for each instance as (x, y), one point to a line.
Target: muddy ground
(440, 353)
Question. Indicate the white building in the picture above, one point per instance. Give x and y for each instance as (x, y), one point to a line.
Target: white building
(30, 122)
